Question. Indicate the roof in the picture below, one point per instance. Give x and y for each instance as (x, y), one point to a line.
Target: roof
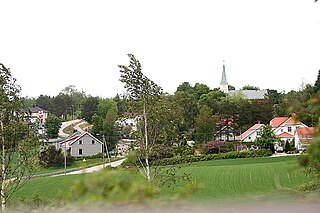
(224, 76)
(250, 130)
(250, 94)
(277, 121)
(285, 135)
(36, 109)
(76, 136)
(305, 132)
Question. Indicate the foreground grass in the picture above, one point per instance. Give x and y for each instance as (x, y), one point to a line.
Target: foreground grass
(217, 180)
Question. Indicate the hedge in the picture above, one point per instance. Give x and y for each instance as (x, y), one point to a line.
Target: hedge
(227, 155)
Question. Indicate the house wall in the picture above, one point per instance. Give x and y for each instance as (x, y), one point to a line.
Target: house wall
(251, 137)
(285, 128)
(87, 147)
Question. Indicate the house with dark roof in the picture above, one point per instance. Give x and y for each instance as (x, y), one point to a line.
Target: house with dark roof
(82, 144)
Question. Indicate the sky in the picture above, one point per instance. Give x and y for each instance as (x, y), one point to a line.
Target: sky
(48, 45)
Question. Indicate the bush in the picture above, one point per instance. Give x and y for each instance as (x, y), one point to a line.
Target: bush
(231, 145)
(183, 150)
(227, 155)
(214, 147)
(54, 157)
(114, 187)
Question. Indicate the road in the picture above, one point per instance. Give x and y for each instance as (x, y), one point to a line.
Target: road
(64, 125)
(94, 168)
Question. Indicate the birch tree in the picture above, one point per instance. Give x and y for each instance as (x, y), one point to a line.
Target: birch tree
(17, 141)
(143, 93)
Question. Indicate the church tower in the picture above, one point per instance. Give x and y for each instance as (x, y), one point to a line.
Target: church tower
(224, 82)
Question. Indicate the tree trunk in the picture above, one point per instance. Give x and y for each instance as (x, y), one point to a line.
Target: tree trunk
(3, 172)
(146, 141)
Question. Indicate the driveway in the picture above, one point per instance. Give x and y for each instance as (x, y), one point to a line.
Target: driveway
(64, 125)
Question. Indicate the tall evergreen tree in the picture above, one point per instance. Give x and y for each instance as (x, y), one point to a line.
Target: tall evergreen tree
(317, 84)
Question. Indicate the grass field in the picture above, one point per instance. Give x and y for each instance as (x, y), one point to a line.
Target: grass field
(217, 180)
(240, 178)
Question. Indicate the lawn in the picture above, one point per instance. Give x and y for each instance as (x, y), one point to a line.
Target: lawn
(217, 180)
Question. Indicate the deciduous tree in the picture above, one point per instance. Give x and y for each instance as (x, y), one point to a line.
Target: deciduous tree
(144, 93)
(17, 140)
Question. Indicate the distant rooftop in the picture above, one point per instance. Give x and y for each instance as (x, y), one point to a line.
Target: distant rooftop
(36, 109)
(250, 94)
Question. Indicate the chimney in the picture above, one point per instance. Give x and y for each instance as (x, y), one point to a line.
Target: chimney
(259, 122)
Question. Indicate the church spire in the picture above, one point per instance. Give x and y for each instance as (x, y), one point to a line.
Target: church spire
(224, 82)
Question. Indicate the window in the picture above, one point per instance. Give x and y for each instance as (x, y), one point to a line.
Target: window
(258, 133)
(80, 142)
(80, 151)
(249, 138)
(93, 142)
(289, 129)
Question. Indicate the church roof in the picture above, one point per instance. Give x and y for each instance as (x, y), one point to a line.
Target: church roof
(250, 94)
(224, 76)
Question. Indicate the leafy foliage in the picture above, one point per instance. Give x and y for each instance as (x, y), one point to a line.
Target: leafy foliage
(205, 125)
(52, 126)
(55, 157)
(214, 147)
(17, 139)
(228, 155)
(267, 138)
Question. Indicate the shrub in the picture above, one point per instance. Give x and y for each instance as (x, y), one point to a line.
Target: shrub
(214, 147)
(54, 157)
(228, 155)
(114, 187)
(183, 150)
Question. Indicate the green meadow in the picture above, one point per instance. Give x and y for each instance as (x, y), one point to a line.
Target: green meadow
(231, 179)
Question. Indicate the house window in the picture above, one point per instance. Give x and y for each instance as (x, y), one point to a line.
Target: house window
(80, 142)
(249, 138)
(258, 133)
(93, 142)
(289, 129)
(80, 151)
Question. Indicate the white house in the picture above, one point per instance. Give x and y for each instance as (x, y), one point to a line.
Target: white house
(252, 133)
(39, 115)
(82, 144)
(303, 137)
(285, 127)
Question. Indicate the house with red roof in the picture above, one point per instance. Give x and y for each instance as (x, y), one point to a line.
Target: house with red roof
(285, 127)
(252, 133)
(82, 144)
(303, 137)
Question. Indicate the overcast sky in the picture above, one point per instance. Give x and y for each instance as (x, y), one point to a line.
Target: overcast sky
(49, 45)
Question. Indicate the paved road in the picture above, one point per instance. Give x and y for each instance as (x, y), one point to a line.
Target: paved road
(64, 125)
(283, 154)
(94, 168)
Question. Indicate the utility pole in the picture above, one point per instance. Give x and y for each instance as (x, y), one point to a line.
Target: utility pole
(65, 158)
(106, 147)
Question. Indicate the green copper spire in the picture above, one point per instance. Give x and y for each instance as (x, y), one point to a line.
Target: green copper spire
(224, 76)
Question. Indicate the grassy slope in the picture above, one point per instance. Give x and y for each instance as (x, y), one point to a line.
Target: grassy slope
(217, 180)
(240, 178)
